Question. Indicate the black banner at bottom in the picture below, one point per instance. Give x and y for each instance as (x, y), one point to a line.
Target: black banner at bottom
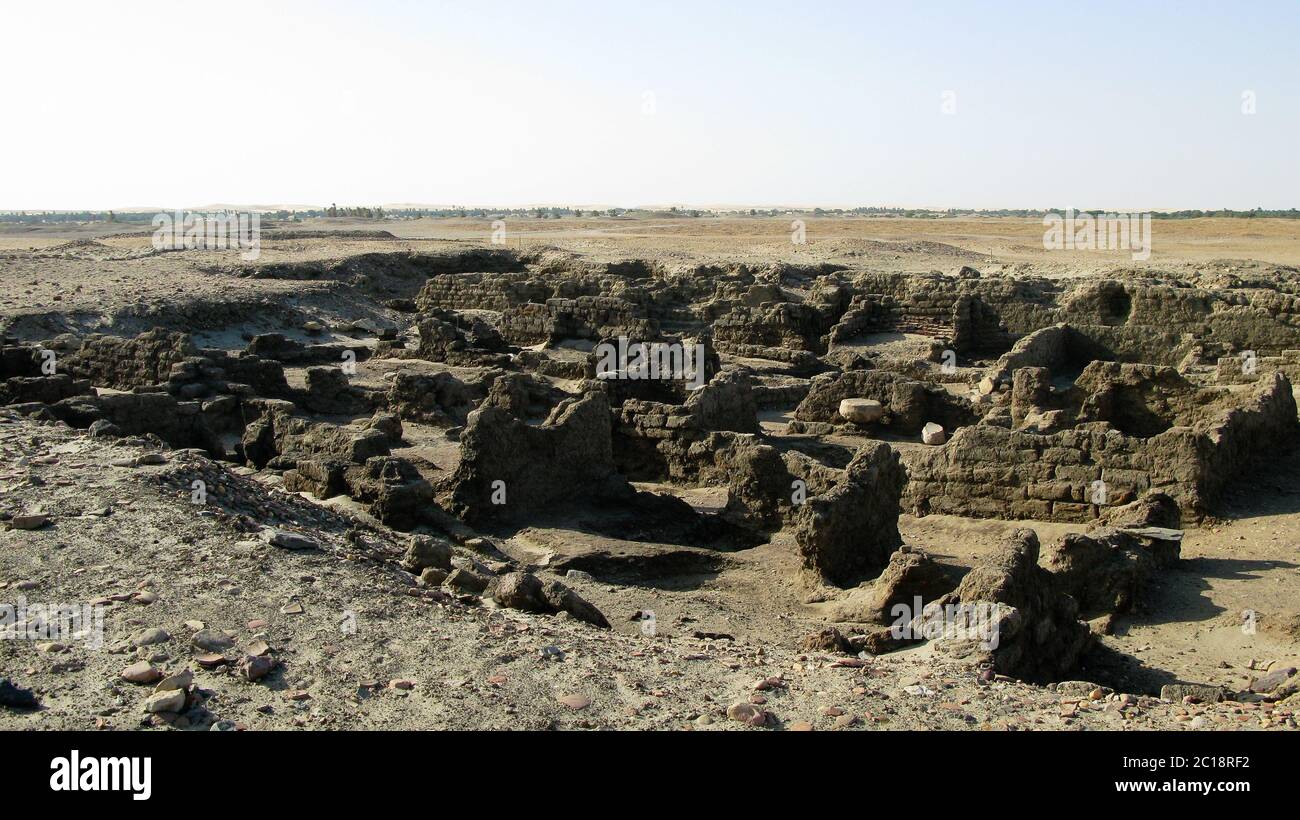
(122, 767)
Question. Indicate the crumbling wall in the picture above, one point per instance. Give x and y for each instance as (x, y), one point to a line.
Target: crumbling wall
(110, 361)
(584, 317)
(655, 440)
(848, 533)
(784, 325)
(482, 291)
(1034, 633)
(567, 458)
(993, 472)
(440, 398)
(275, 434)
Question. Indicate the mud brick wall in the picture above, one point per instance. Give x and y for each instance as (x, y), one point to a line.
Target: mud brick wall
(179, 423)
(482, 291)
(586, 317)
(1161, 324)
(979, 314)
(786, 325)
(869, 313)
(1228, 369)
(1248, 436)
(655, 439)
(992, 472)
(1049, 347)
(217, 372)
(567, 458)
(801, 360)
(439, 398)
(110, 361)
(783, 393)
(544, 365)
(42, 389)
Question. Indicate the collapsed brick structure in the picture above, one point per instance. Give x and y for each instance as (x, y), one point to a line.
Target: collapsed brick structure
(501, 471)
(1062, 400)
(1073, 474)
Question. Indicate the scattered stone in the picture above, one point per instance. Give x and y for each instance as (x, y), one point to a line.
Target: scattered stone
(288, 540)
(255, 667)
(150, 637)
(171, 700)
(211, 640)
(1269, 684)
(432, 577)
(427, 552)
(141, 672)
(526, 592)
(747, 713)
(861, 411)
(467, 580)
(933, 434)
(29, 521)
(181, 680)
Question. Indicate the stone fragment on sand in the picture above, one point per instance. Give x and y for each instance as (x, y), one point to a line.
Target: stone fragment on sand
(575, 702)
(29, 521)
(256, 667)
(861, 411)
(933, 434)
(181, 680)
(211, 640)
(151, 636)
(171, 700)
(141, 672)
(288, 540)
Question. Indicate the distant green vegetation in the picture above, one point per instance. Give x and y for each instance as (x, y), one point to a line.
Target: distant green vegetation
(134, 218)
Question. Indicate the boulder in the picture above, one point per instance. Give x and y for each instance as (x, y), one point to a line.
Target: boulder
(525, 591)
(425, 552)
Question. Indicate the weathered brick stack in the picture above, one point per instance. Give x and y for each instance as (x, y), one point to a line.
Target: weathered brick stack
(656, 439)
(1241, 369)
(781, 325)
(482, 291)
(988, 471)
(586, 317)
(110, 361)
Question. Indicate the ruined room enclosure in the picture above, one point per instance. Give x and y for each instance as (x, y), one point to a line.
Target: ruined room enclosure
(459, 397)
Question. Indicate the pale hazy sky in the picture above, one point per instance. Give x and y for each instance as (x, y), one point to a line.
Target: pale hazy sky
(1109, 105)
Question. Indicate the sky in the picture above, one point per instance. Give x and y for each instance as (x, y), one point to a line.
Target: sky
(1139, 105)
